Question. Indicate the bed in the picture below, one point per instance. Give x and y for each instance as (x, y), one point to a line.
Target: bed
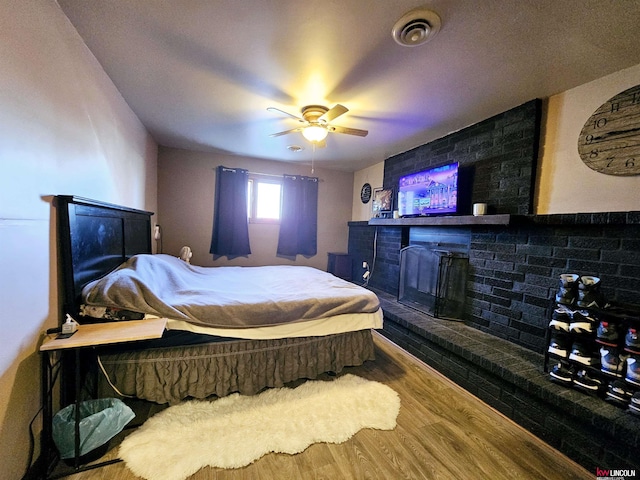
(232, 329)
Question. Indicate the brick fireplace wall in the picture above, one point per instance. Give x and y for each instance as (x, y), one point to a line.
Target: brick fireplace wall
(514, 269)
(497, 351)
(500, 153)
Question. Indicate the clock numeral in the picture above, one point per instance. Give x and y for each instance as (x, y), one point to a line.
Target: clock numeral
(636, 97)
(589, 139)
(599, 123)
(611, 159)
(593, 153)
(615, 106)
(630, 163)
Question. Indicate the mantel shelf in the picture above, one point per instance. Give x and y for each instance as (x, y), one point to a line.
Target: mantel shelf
(453, 220)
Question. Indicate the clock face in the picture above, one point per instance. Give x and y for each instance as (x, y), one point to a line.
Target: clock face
(365, 193)
(610, 140)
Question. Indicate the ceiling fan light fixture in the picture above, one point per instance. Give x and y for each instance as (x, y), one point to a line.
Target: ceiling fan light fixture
(416, 27)
(315, 133)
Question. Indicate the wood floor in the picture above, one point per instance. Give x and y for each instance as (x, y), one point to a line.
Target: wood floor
(443, 432)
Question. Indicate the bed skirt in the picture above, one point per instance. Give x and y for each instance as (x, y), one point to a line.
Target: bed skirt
(170, 375)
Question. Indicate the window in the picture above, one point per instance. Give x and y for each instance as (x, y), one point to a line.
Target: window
(264, 200)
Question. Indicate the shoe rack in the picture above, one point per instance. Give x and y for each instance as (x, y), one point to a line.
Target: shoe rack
(594, 350)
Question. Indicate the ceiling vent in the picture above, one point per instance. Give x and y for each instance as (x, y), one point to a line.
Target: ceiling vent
(416, 27)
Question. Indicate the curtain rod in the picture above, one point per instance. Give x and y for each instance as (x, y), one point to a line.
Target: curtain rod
(273, 174)
(288, 174)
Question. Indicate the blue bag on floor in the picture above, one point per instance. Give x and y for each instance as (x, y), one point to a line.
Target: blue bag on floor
(100, 421)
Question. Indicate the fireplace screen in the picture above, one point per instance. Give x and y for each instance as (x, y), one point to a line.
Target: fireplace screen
(433, 280)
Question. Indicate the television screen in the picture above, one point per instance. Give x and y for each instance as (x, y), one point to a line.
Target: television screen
(430, 192)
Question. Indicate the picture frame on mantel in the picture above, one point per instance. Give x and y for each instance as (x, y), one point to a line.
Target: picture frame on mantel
(382, 202)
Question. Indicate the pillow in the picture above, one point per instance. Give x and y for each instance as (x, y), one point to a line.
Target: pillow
(109, 313)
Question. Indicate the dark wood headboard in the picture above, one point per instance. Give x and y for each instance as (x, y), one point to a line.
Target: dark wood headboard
(94, 238)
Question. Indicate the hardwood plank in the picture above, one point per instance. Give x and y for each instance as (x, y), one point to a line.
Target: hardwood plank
(443, 432)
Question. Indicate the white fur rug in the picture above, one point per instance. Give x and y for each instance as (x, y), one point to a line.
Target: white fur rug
(236, 430)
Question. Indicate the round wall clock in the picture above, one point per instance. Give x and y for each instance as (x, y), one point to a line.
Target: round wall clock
(610, 140)
(365, 193)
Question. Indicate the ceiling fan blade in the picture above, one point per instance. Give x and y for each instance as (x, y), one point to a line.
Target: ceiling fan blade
(333, 113)
(348, 131)
(277, 110)
(285, 132)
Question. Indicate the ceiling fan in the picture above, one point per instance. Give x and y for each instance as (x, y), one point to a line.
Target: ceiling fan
(316, 123)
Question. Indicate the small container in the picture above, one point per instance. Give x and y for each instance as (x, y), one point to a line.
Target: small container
(479, 209)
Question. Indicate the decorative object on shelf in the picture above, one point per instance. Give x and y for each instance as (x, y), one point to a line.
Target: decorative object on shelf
(365, 193)
(479, 209)
(382, 201)
(609, 142)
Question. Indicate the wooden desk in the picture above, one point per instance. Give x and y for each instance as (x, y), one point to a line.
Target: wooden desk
(87, 336)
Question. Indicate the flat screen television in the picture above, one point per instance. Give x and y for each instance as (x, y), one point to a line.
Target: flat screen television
(429, 192)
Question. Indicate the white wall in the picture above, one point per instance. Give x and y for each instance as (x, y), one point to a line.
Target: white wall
(64, 129)
(565, 183)
(372, 175)
(186, 188)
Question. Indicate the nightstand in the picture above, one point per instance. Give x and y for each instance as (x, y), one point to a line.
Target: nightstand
(87, 336)
(340, 264)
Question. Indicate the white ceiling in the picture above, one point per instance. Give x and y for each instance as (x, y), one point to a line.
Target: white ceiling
(200, 74)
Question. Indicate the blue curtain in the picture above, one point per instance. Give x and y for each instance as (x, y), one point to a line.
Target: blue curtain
(299, 222)
(230, 236)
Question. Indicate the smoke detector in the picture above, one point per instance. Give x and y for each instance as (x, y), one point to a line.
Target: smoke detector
(416, 27)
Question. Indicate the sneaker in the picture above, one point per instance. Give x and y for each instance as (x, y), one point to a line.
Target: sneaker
(633, 371)
(634, 404)
(584, 381)
(568, 291)
(619, 393)
(561, 319)
(589, 295)
(562, 374)
(582, 354)
(559, 345)
(582, 321)
(631, 341)
(611, 363)
(608, 333)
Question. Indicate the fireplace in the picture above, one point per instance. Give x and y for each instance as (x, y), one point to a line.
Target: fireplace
(433, 274)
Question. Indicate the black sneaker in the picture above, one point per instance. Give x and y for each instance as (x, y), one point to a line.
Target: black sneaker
(589, 295)
(561, 319)
(568, 291)
(559, 345)
(582, 321)
(631, 341)
(619, 394)
(584, 355)
(584, 381)
(634, 404)
(608, 333)
(562, 374)
(611, 362)
(633, 371)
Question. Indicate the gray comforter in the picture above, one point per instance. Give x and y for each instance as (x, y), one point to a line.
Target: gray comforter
(227, 296)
